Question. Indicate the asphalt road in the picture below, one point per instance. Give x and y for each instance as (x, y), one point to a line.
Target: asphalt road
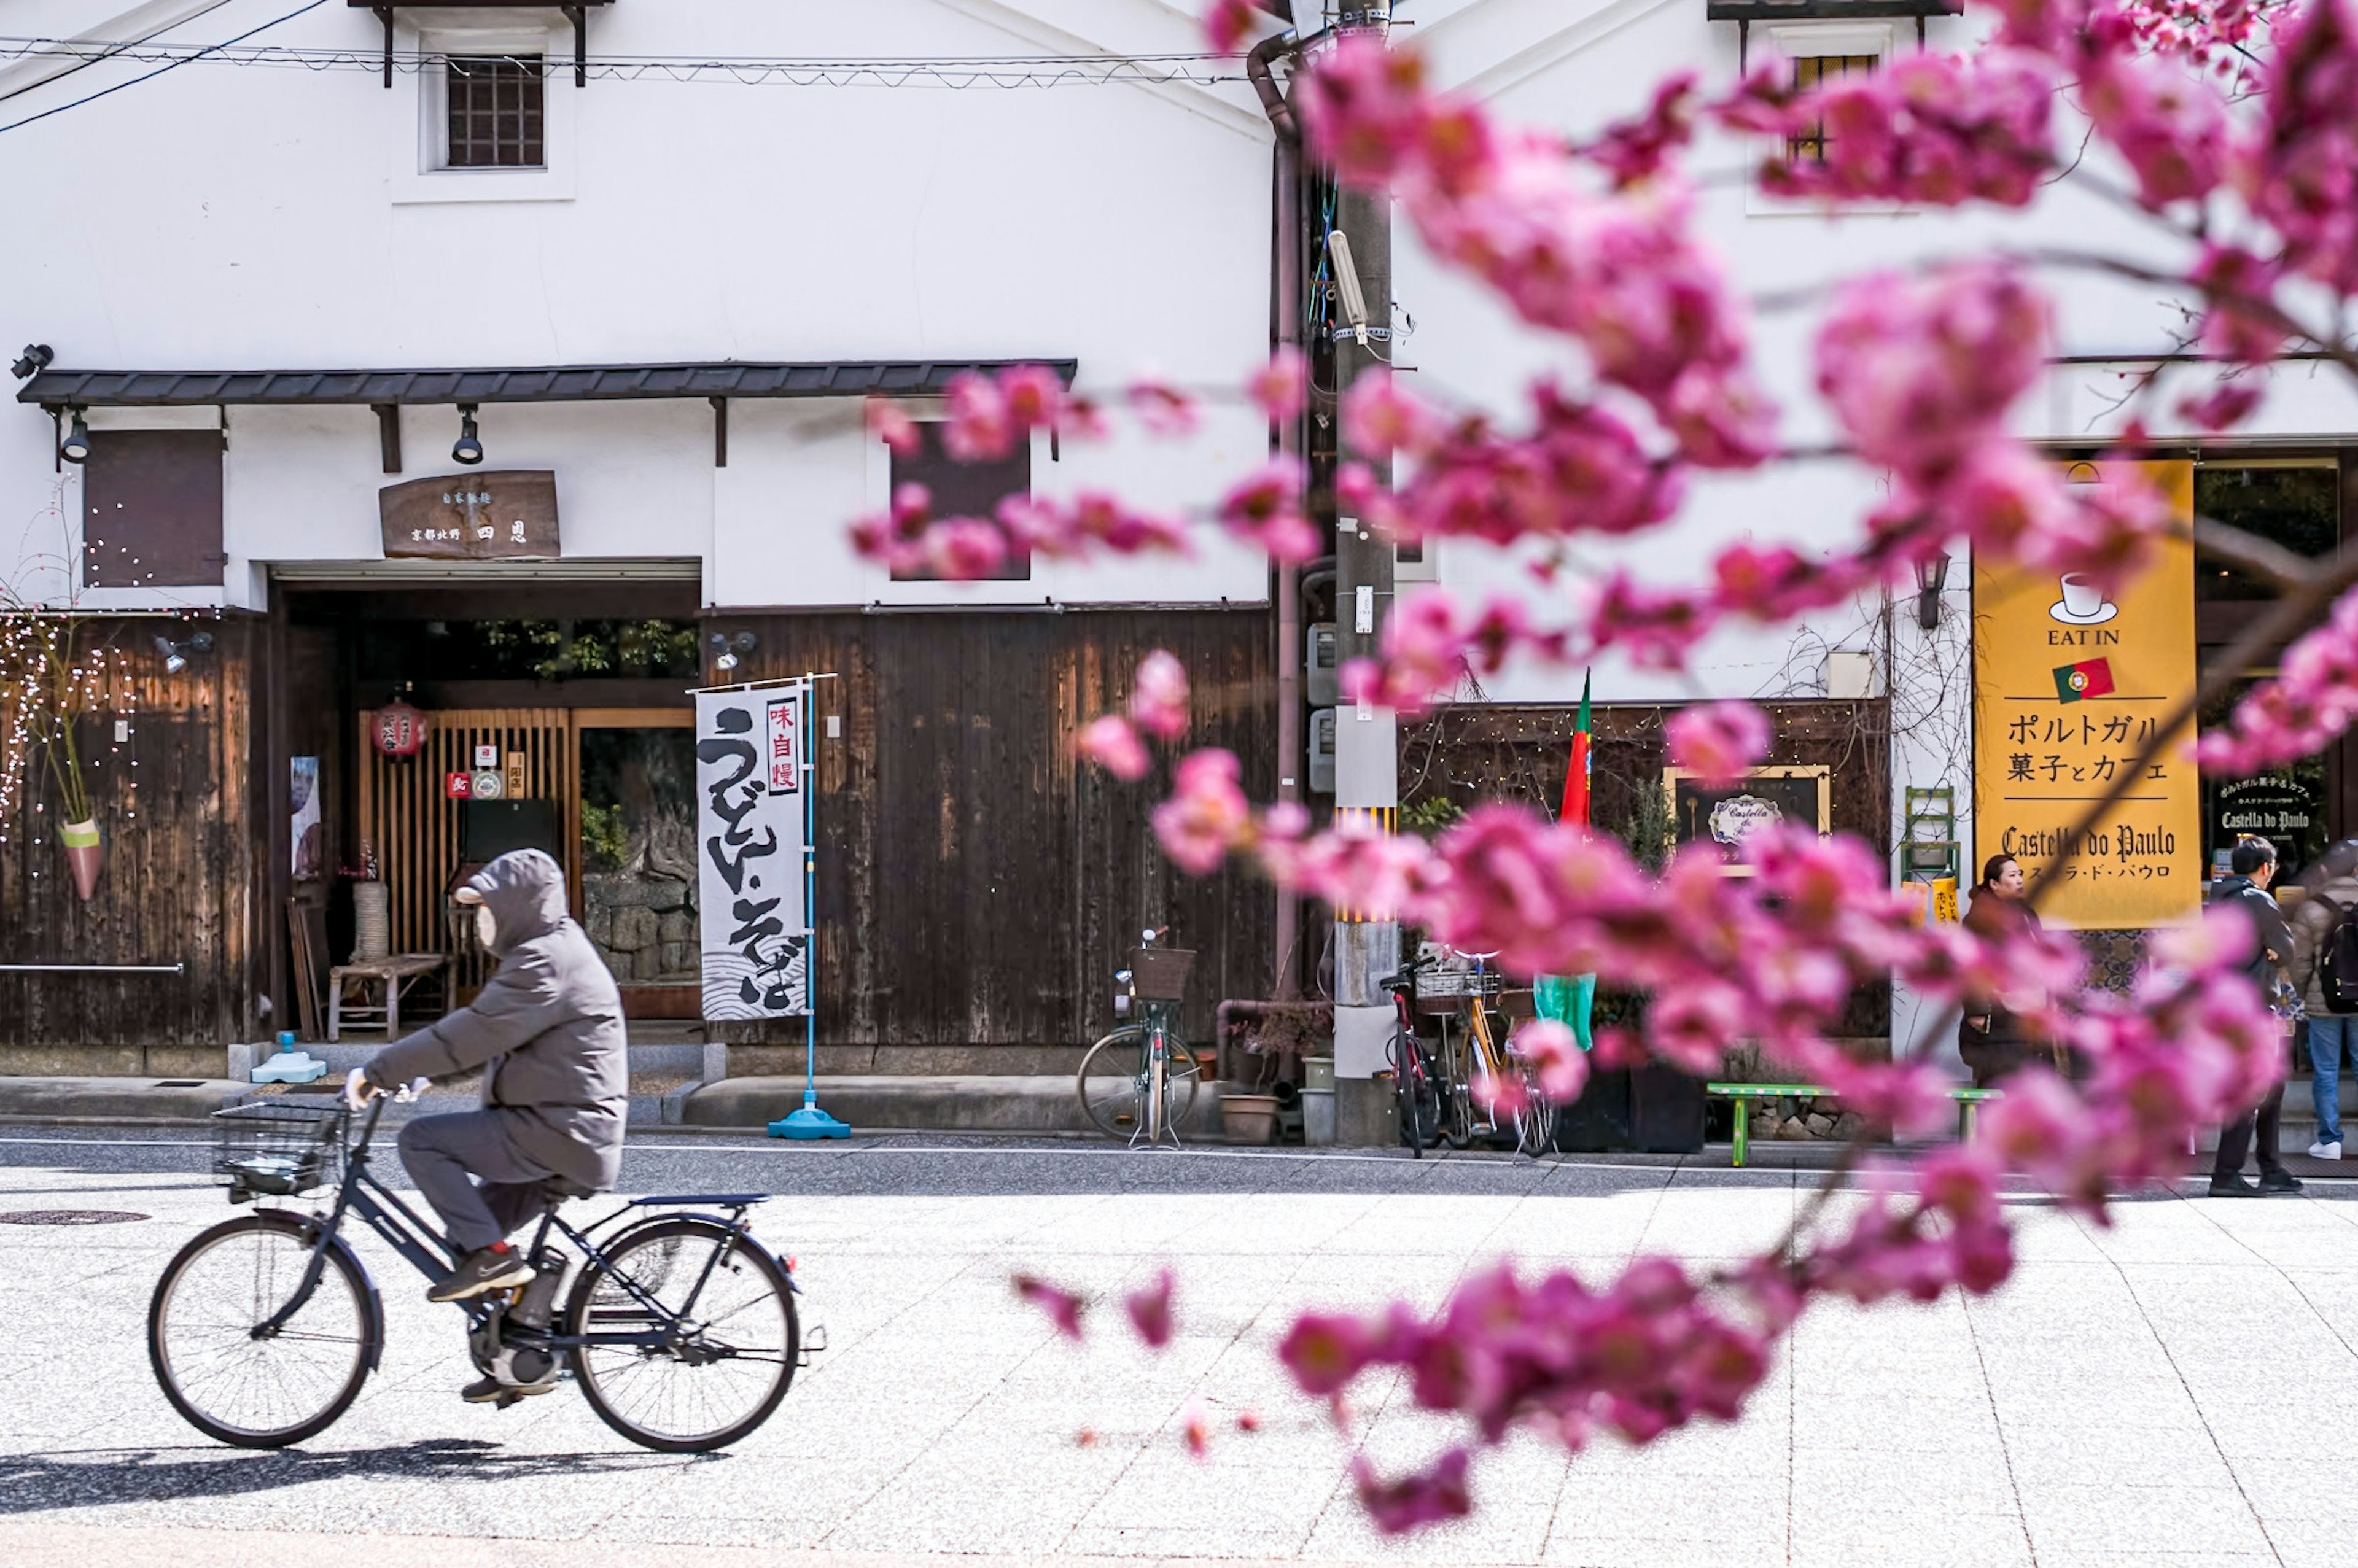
(2148, 1393)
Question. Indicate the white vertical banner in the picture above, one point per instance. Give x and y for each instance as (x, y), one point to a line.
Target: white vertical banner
(749, 750)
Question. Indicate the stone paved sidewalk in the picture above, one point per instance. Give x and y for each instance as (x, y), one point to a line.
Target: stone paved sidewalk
(2166, 1392)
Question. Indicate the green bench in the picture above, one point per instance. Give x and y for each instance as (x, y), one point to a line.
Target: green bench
(1967, 1099)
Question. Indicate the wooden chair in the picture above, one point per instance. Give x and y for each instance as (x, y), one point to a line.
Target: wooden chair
(350, 986)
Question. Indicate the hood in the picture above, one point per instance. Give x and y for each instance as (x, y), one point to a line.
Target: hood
(2228, 887)
(524, 890)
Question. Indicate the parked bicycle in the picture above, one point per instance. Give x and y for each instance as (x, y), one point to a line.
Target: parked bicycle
(681, 1328)
(1416, 1081)
(1139, 1083)
(1435, 1077)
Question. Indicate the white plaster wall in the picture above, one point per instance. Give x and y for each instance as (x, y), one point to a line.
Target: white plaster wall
(232, 217)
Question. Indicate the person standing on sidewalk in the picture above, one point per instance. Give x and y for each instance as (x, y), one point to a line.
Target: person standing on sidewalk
(2318, 931)
(2253, 863)
(1992, 1037)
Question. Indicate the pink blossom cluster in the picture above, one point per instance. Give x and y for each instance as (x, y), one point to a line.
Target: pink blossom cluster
(2313, 698)
(910, 538)
(1157, 707)
(1648, 1354)
(1582, 469)
(1933, 129)
(1716, 741)
(1620, 271)
(2299, 170)
(1432, 639)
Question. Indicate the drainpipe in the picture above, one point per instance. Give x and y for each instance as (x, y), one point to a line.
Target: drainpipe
(1286, 329)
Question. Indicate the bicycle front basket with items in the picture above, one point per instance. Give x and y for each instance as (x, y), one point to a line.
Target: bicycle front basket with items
(1160, 973)
(1443, 991)
(279, 1147)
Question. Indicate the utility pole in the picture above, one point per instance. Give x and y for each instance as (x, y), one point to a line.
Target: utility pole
(1367, 751)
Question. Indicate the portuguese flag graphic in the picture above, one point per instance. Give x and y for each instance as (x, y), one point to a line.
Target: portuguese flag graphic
(2089, 677)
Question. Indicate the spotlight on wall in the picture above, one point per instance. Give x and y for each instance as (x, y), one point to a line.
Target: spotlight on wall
(36, 358)
(176, 655)
(726, 648)
(1931, 576)
(469, 448)
(75, 448)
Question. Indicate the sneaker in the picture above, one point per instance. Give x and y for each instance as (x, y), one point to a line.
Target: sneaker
(491, 1391)
(2326, 1151)
(496, 1267)
(2232, 1186)
(2279, 1180)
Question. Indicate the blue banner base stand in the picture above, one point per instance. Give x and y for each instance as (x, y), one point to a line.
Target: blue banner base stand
(810, 1122)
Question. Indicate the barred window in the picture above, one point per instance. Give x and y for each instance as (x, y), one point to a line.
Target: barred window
(496, 109)
(1810, 74)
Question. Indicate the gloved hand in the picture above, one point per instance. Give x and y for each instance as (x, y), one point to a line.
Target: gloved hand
(410, 1091)
(357, 1092)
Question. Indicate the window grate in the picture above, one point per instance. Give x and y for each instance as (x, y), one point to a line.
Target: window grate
(495, 111)
(1812, 73)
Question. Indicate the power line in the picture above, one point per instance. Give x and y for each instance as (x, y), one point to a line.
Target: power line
(172, 65)
(947, 72)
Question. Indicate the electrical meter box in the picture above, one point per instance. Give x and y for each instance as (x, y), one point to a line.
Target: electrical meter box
(1324, 688)
(1322, 750)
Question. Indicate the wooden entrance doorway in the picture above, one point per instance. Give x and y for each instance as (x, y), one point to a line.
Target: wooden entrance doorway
(421, 835)
(607, 791)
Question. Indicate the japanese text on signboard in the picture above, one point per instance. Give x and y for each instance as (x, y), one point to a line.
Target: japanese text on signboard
(749, 855)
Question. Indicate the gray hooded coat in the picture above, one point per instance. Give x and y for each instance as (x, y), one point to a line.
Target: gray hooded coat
(546, 1030)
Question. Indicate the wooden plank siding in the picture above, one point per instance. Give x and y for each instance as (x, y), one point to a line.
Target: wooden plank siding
(174, 803)
(978, 884)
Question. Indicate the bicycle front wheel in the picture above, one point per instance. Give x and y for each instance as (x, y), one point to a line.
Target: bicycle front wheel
(1112, 1082)
(716, 1314)
(271, 1388)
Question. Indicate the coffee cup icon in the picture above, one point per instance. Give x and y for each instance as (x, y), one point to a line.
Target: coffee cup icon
(2083, 602)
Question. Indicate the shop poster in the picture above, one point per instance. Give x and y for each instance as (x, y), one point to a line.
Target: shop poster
(2070, 684)
(749, 790)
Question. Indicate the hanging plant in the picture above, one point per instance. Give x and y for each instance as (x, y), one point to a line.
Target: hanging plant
(57, 673)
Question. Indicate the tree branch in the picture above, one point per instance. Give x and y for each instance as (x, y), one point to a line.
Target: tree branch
(2253, 556)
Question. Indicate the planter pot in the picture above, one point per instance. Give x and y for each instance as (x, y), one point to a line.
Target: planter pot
(83, 856)
(1249, 1119)
(372, 920)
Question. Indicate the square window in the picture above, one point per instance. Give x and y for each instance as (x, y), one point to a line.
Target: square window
(966, 490)
(497, 112)
(1812, 73)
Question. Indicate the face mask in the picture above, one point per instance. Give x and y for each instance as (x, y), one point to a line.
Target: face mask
(486, 928)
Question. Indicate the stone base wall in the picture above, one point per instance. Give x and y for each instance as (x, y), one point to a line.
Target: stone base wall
(113, 1061)
(645, 927)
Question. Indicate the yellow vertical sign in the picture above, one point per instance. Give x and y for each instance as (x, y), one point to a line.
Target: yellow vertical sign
(2070, 685)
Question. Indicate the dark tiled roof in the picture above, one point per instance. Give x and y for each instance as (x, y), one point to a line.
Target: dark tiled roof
(542, 384)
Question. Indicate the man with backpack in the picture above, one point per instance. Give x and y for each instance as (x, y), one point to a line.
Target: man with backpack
(2325, 965)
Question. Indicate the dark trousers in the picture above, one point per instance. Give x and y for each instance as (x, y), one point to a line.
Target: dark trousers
(2235, 1138)
(473, 1174)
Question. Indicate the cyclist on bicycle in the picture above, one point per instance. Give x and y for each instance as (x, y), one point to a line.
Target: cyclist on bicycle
(547, 1031)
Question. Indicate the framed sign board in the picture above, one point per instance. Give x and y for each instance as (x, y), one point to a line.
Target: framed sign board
(1802, 795)
(508, 514)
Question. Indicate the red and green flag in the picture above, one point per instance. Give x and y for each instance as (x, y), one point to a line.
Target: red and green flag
(1569, 1001)
(1576, 777)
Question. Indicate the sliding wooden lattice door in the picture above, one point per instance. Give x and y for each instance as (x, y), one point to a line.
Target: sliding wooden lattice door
(415, 828)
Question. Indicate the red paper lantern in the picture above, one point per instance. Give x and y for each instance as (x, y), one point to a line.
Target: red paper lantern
(400, 730)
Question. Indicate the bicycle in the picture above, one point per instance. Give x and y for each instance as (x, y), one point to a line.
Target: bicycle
(681, 1329)
(1477, 1054)
(1413, 1079)
(1139, 1081)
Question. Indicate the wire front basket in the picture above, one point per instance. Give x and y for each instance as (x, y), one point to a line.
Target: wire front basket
(281, 1147)
(1160, 974)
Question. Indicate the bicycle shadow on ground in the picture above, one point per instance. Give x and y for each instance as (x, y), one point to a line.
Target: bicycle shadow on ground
(99, 1477)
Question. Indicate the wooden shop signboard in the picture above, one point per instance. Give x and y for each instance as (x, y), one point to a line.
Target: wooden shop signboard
(509, 515)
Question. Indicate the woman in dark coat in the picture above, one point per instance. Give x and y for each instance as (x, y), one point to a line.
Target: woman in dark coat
(1993, 1039)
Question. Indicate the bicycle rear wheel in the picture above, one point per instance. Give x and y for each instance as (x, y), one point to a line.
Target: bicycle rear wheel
(1420, 1097)
(725, 1358)
(261, 1392)
(1112, 1082)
